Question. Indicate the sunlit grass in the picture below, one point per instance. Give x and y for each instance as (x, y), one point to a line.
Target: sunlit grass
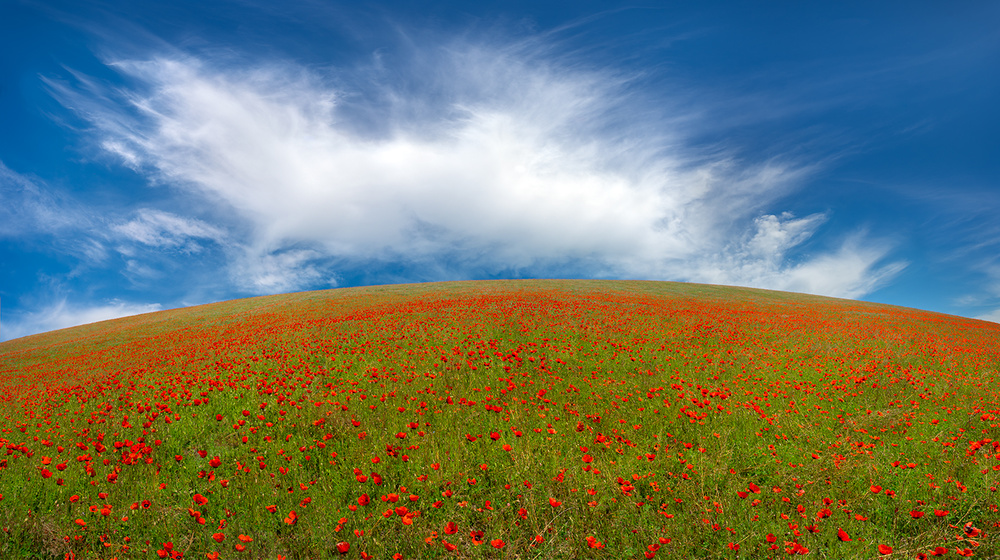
(528, 419)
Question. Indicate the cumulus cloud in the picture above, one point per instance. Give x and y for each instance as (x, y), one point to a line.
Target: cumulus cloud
(266, 272)
(62, 314)
(488, 157)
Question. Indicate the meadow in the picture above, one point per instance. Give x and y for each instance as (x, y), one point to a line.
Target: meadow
(505, 419)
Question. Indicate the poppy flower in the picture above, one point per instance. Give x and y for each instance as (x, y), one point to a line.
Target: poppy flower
(554, 503)
(884, 549)
(343, 547)
(971, 530)
(497, 543)
(916, 514)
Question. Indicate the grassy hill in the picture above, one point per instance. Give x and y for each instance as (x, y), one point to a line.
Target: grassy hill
(505, 419)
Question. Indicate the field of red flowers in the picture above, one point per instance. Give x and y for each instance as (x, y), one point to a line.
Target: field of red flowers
(506, 419)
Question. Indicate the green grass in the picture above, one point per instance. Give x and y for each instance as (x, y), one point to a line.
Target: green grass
(682, 397)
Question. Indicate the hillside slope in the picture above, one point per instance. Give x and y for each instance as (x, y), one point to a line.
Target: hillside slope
(512, 418)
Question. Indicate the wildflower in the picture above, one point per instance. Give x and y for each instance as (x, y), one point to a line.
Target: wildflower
(971, 530)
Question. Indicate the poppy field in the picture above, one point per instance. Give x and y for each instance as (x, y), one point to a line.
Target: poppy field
(505, 419)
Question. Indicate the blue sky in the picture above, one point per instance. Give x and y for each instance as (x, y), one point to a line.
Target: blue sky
(163, 154)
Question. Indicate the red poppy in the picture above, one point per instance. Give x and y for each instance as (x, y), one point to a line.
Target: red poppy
(343, 547)
(971, 530)
(884, 549)
(842, 535)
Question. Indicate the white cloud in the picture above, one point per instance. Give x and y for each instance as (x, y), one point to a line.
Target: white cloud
(491, 156)
(993, 316)
(164, 229)
(61, 315)
(761, 260)
(266, 272)
(29, 208)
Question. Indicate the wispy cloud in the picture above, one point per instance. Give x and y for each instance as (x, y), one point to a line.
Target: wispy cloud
(32, 212)
(485, 157)
(762, 258)
(62, 314)
(157, 228)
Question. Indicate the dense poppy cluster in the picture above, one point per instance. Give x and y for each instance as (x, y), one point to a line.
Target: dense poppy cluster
(495, 419)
